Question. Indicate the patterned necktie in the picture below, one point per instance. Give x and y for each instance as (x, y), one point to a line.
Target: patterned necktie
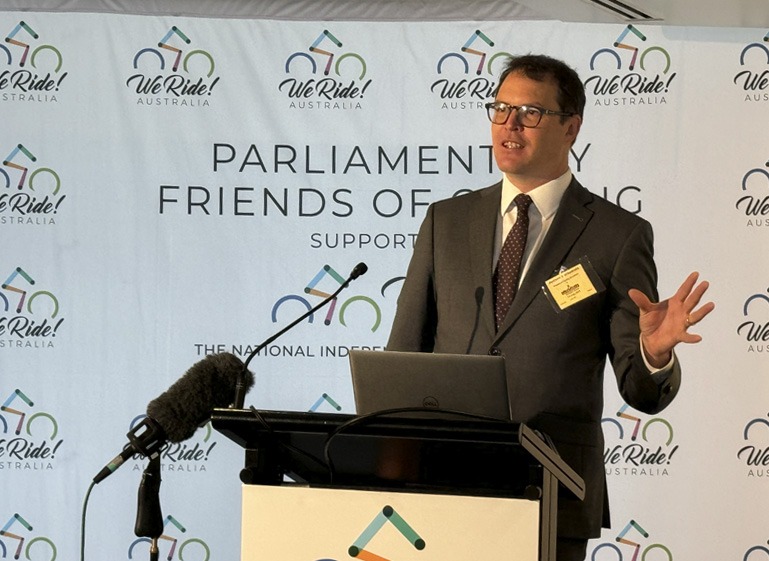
(509, 265)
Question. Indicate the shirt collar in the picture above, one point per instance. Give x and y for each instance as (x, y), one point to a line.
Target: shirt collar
(546, 197)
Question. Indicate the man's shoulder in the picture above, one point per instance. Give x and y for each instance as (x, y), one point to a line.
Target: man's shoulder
(466, 197)
(601, 207)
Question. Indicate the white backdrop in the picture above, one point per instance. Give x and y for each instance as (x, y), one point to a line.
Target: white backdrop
(153, 211)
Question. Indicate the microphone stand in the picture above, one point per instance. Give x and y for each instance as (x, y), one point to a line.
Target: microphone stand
(149, 517)
(240, 387)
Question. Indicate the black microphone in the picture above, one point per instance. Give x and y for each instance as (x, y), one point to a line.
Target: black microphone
(240, 388)
(176, 414)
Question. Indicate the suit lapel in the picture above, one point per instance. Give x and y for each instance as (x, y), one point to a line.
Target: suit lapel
(570, 220)
(481, 229)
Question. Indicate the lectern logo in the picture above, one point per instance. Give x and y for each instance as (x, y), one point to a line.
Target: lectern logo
(629, 546)
(388, 514)
(652, 457)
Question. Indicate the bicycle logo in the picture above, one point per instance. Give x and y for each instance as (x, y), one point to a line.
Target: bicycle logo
(6, 408)
(637, 425)
(620, 45)
(755, 548)
(311, 289)
(23, 294)
(163, 44)
(40, 543)
(758, 46)
(198, 545)
(632, 525)
(8, 162)
(11, 39)
(482, 55)
(315, 49)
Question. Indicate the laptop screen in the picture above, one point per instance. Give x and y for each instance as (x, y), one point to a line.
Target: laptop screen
(474, 384)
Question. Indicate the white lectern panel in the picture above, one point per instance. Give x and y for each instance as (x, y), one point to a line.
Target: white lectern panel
(295, 523)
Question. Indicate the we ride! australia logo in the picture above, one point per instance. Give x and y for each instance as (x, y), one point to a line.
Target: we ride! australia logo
(175, 543)
(29, 317)
(30, 193)
(18, 536)
(755, 328)
(29, 437)
(327, 76)
(637, 544)
(754, 201)
(189, 456)
(630, 72)
(754, 451)
(467, 76)
(752, 79)
(626, 455)
(30, 70)
(174, 73)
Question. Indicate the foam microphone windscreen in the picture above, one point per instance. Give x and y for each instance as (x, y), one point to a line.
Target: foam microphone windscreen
(208, 384)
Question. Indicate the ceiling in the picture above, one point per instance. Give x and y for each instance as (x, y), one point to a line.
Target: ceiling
(708, 13)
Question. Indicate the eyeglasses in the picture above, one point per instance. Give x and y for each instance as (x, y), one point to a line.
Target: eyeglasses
(525, 115)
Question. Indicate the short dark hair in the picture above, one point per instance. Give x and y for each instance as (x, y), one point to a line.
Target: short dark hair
(571, 91)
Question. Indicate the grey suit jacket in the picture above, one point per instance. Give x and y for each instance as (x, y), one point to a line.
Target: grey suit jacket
(555, 360)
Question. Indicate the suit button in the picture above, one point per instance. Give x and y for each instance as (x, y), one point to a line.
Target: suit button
(495, 351)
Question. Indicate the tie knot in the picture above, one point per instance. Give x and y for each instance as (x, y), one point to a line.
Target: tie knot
(522, 201)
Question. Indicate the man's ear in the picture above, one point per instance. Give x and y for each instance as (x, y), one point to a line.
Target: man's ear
(575, 123)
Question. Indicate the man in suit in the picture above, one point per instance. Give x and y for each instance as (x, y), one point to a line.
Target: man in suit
(555, 337)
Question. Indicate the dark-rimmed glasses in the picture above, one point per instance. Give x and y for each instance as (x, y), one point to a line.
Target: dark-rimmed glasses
(525, 115)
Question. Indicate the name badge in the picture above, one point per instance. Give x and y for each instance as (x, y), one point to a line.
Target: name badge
(570, 286)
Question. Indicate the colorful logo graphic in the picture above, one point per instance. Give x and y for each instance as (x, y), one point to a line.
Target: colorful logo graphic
(189, 456)
(330, 275)
(325, 398)
(388, 514)
(22, 84)
(754, 81)
(169, 86)
(755, 454)
(28, 438)
(627, 544)
(191, 549)
(629, 457)
(343, 92)
(755, 331)
(28, 195)
(16, 295)
(19, 530)
(755, 207)
(619, 81)
(473, 58)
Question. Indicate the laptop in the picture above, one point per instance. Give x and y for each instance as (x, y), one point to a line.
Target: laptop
(475, 384)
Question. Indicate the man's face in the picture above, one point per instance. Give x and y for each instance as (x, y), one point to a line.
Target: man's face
(531, 157)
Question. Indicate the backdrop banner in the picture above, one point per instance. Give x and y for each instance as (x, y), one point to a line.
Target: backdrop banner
(172, 187)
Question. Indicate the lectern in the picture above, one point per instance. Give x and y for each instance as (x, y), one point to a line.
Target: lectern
(444, 488)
